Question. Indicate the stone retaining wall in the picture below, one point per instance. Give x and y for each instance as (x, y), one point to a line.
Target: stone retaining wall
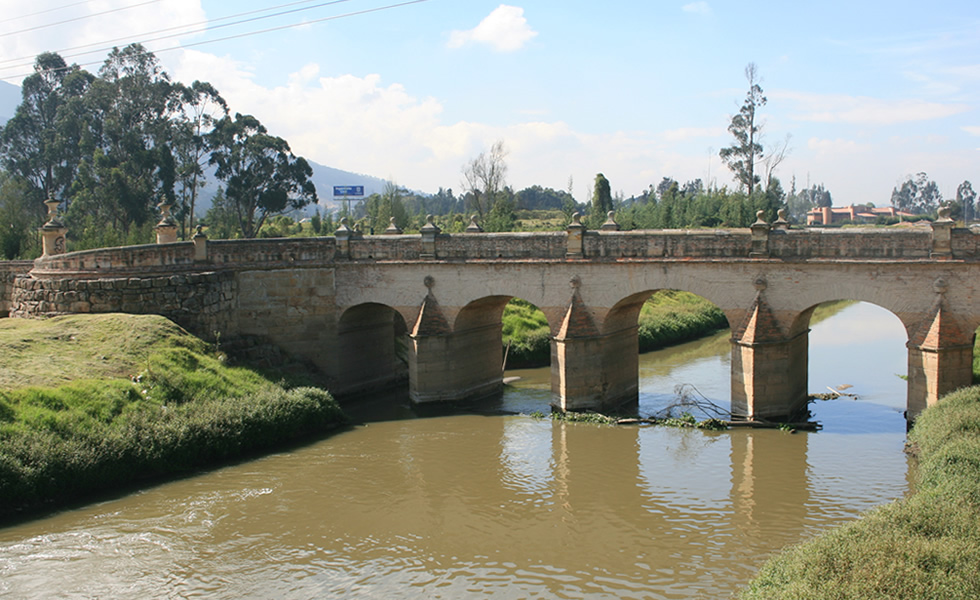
(9, 270)
(199, 302)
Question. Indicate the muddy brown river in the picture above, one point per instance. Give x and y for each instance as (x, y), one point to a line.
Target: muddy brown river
(494, 502)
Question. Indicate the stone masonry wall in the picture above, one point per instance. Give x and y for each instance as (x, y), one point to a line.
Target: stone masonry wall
(9, 270)
(199, 302)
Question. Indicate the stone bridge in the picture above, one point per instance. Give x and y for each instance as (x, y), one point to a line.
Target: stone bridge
(370, 311)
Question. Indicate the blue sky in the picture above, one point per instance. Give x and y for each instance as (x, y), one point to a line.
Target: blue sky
(868, 92)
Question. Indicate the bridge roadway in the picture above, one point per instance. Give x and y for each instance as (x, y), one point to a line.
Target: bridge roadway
(369, 311)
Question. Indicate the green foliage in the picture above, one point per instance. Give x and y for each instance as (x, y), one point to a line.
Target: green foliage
(184, 409)
(262, 176)
(601, 199)
(742, 156)
(926, 546)
(668, 317)
(919, 195)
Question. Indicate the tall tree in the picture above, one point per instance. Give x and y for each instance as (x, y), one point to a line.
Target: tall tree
(742, 156)
(601, 198)
(128, 164)
(966, 198)
(39, 143)
(201, 106)
(918, 195)
(262, 175)
(486, 175)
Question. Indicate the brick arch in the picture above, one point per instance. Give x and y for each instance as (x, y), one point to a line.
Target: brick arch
(625, 313)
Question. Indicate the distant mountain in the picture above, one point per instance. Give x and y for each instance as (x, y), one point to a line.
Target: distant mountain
(9, 100)
(324, 177)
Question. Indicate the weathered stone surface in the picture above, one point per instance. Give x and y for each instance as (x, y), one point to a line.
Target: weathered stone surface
(343, 312)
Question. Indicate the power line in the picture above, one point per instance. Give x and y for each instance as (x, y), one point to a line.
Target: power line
(179, 28)
(41, 12)
(259, 32)
(81, 18)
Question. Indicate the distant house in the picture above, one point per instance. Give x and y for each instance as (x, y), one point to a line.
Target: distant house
(830, 215)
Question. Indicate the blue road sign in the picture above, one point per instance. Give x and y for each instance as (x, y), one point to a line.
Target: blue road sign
(348, 190)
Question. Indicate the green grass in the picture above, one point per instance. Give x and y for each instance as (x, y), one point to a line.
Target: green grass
(172, 408)
(926, 546)
(668, 317)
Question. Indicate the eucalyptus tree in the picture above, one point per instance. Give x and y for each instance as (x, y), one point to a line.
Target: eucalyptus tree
(918, 195)
(742, 156)
(40, 143)
(262, 176)
(128, 164)
(966, 197)
(201, 107)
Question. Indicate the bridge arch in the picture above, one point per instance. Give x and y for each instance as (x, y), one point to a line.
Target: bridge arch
(371, 347)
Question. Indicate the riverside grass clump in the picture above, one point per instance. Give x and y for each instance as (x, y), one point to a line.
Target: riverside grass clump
(668, 317)
(180, 408)
(926, 546)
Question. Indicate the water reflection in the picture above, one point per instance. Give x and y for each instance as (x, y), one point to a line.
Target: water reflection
(471, 505)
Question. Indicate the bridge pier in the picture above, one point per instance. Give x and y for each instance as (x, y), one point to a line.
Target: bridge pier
(455, 366)
(934, 372)
(769, 379)
(595, 373)
(769, 366)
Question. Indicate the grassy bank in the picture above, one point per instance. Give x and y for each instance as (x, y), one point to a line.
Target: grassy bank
(88, 403)
(668, 317)
(926, 546)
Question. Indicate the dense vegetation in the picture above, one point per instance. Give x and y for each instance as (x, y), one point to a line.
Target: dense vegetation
(668, 317)
(172, 406)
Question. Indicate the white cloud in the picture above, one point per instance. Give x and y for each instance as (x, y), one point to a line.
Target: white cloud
(864, 110)
(972, 129)
(836, 147)
(505, 30)
(687, 133)
(698, 8)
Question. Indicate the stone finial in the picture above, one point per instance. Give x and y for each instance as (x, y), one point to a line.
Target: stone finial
(575, 240)
(200, 245)
(760, 283)
(430, 226)
(781, 222)
(393, 228)
(53, 232)
(575, 282)
(940, 286)
(429, 233)
(429, 281)
(942, 236)
(53, 219)
(343, 229)
(610, 224)
(167, 227)
(474, 226)
(760, 236)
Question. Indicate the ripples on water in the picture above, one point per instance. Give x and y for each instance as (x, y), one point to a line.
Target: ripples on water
(471, 506)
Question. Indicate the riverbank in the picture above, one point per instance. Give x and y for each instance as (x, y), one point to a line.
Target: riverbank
(925, 546)
(668, 317)
(95, 402)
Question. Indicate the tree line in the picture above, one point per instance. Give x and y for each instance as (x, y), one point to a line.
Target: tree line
(113, 145)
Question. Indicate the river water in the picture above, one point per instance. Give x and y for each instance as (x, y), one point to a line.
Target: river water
(477, 504)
